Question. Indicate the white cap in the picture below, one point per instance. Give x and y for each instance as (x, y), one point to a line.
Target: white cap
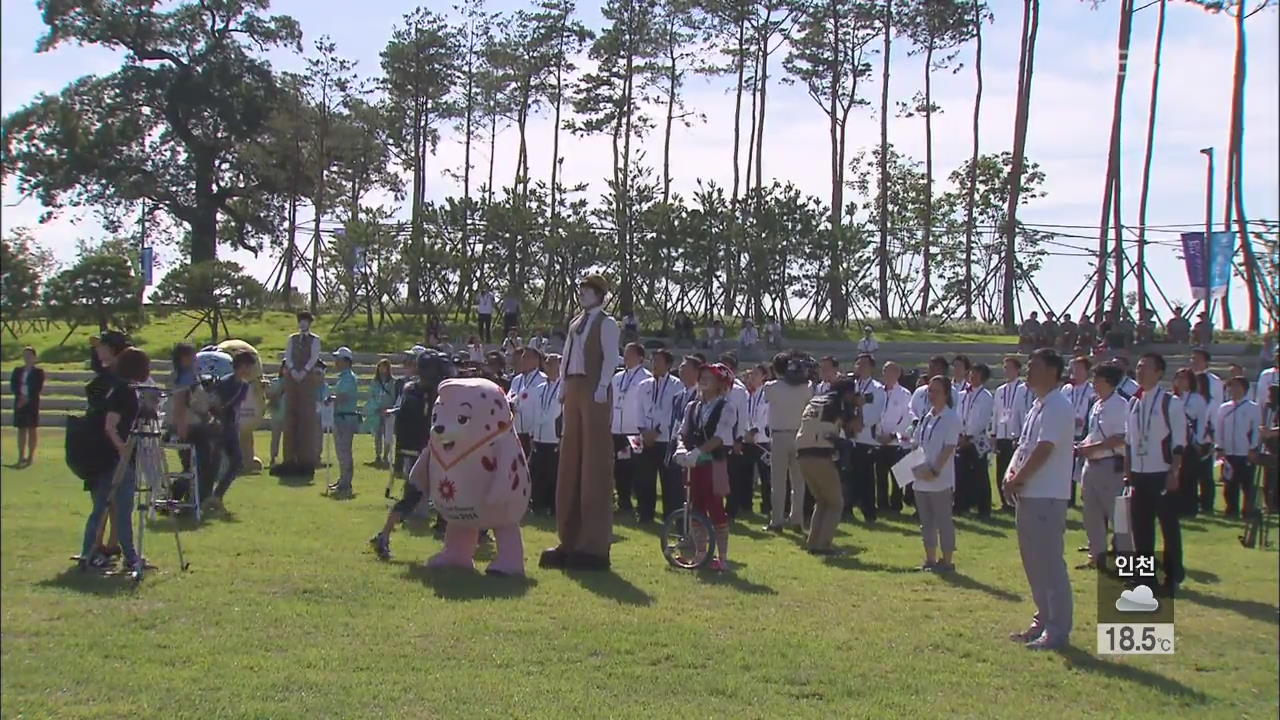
(417, 350)
(343, 353)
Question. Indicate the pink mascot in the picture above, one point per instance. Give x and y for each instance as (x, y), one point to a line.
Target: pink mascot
(476, 474)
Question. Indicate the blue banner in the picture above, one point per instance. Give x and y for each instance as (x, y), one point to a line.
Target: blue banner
(148, 261)
(1221, 248)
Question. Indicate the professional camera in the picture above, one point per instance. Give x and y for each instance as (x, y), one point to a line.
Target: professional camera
(800, 369)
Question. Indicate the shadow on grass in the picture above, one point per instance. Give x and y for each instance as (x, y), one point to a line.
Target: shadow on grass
(967, 583)
(90, 583)
(297, 480)
(1203, 576)
(736, 582)
(1081, 660)
(457, 584)
(849, 561)
(1251, 609)
(611, 586)
(968, 526)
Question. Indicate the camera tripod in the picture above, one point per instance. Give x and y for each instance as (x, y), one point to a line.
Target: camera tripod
(144, 452)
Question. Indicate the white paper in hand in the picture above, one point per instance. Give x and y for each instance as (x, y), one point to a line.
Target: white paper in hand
(902, 470)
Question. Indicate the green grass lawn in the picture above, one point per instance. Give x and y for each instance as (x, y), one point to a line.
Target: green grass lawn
(286, 614)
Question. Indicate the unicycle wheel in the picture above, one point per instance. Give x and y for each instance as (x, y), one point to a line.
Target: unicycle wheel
(687, 539)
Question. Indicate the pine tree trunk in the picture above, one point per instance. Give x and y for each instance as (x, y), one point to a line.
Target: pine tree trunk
(1111, 199)
(928, 180)
(1237, 154)
(291, 253)
(834, 269)
(737, 105)
(971, 196)
(764, 92)
(883, 259)
(1026, 67)
(1146, 164)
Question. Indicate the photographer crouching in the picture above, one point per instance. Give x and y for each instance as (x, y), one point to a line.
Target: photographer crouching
(228, 394)
(113, 407)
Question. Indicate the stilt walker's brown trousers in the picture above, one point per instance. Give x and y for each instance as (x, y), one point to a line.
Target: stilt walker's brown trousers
(584, 483)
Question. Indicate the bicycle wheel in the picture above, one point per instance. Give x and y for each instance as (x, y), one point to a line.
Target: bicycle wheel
(686, 539)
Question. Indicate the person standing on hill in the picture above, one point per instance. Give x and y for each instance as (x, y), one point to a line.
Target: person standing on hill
(484, 314)
(26, 383)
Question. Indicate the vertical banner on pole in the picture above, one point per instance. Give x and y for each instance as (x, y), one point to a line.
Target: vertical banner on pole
(1218, 262)
(1194, 259)
(148, 262)
(1221, 250)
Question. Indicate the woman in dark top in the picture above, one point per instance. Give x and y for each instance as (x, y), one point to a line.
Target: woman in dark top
(111, 398)
(26, 384)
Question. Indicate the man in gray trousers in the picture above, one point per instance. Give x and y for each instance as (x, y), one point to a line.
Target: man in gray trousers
(1039, 481)
(1103, 453)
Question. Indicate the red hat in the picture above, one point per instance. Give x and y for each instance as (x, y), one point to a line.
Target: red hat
(721, 373)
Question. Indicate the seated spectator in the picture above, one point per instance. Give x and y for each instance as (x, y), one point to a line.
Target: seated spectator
(1178, 328)
(868, 344)
(1087, 334)
(1029, 333)
(1070, 333)
(630, 328)
(1203, 335)
(749, 338)
(1049, 331)
(683, 329)
(773, 333)
(1146, 330)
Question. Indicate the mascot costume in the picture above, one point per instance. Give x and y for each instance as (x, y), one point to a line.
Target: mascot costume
(476, 474)
(584, 482)
(254, 406)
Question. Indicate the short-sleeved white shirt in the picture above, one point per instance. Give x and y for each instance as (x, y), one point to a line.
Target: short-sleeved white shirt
(934, 433)
(1051, 420)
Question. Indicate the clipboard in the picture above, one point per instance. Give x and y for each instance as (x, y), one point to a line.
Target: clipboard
(903, 470)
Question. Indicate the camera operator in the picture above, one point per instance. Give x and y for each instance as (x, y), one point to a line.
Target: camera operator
(113, 400)
(229, 392)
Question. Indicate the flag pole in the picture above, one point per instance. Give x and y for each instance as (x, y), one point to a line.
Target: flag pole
(1208, 243)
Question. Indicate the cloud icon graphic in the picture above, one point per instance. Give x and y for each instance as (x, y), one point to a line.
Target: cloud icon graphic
(1139, 599)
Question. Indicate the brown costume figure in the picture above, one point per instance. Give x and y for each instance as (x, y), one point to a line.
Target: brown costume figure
(584, 483)
(301, 422)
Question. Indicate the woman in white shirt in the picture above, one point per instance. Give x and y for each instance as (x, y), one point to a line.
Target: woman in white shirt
(938, 435)
(1197, 462)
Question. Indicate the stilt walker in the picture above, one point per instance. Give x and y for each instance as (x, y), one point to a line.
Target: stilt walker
(301, 433)
(584, 481)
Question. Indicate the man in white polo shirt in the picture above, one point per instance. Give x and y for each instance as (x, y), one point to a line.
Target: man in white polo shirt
(1155, 433)
(1102, 450)
(1039, 483)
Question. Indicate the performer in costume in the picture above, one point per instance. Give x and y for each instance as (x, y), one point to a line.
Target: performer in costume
(584, 482)
(301, 423)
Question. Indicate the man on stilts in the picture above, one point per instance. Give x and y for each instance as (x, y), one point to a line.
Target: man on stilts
(584, 482)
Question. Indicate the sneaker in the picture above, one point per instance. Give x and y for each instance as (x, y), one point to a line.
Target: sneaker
(944, 567)
(772, 528)
(926, 567)
(1044, 642)
(1032, 633)
(718, 565)
(381, 546)
(342, 492)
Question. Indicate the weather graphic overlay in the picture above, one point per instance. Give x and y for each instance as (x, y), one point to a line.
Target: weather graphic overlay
(1134, 617)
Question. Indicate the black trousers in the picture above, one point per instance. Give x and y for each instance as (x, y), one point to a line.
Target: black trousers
(1204, 477)
(509, 320)
(888, 492)
(1148, 504)
(859, 479)
(1241, 481)
(647, 466)
(755, 454)
(544, 463)
(622, 469)
(672, 486)
(741, 484)
(1004, 456)
(485, 327)
(973, 481)
(1189, 483)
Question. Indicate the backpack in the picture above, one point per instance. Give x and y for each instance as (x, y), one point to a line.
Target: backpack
(89, 454)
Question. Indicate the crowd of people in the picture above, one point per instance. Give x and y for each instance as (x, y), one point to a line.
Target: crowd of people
(1113, 332)
(797, 440)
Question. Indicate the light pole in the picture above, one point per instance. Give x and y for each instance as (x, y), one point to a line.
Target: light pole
(1208, 228)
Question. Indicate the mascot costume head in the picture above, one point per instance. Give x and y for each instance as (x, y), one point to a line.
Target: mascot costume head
(255, 403)
(478, 474)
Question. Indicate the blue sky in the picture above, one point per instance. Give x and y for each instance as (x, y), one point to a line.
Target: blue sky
(1070, 116)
